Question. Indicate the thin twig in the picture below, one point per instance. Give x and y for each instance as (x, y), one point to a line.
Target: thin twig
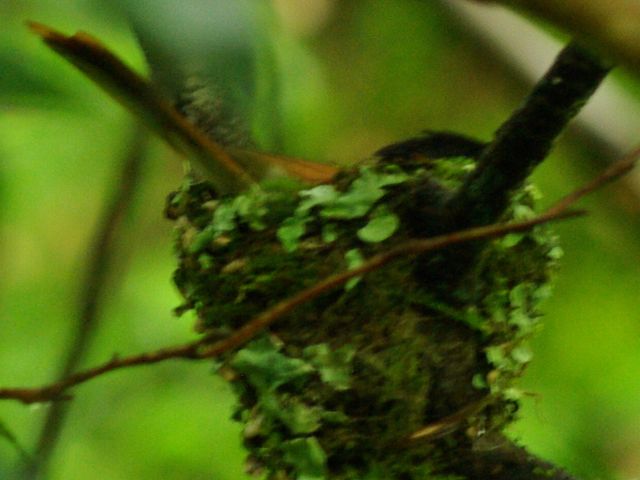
(201, 349)
(56, 391)
(615, 170)
(93, 286)
(230, 169)
(198, 350)
(411, 247)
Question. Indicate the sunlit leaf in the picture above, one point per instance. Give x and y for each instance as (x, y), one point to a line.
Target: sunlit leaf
(266, 367)
(382, 225)
(290, 232)
(334, 365)
(306, 456)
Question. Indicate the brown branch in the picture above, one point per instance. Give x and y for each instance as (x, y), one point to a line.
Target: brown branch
(202, 349)
(411, 247)
(614, 171)
(230, 169)
(56, 391)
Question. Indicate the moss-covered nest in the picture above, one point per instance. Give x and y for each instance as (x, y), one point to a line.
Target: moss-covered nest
(426, 344)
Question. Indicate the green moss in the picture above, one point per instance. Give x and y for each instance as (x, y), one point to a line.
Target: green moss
(335, 389)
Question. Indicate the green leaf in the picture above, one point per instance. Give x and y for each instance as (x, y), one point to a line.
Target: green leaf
(354, 259)
(522, 354)
(334, 366)
(523, 212)
(251, 208)
(512, 393)
(353, 204)
(511, 239)
(224, 218)
(298, 417)
(291, 231)
(555, 253)
(391, 175)
(329, 233)
(202, 239)
(364, 192)
(307, 457)
(382, 225)
(518, 295)
(334, 417)
(495, 356)
(266, 368)
(542, 293)
(478, 381)
(206, 261)
(523, 321)
(320, 195)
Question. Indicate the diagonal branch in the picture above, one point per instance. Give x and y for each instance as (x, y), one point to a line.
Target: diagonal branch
(525, 140)
(203, 349)
(134, 92)
(614, 171)
(229, 169)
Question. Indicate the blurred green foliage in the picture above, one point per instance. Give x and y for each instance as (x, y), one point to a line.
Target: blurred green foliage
(371, 73)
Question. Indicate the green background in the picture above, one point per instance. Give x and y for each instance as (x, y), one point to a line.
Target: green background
(373, 72)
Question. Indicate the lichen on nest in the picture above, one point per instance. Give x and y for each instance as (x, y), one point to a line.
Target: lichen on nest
(335, 389)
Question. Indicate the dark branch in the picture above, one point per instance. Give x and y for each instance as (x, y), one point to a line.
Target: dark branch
(526, 138)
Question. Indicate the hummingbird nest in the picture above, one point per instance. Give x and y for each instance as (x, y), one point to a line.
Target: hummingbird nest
(378, 378)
